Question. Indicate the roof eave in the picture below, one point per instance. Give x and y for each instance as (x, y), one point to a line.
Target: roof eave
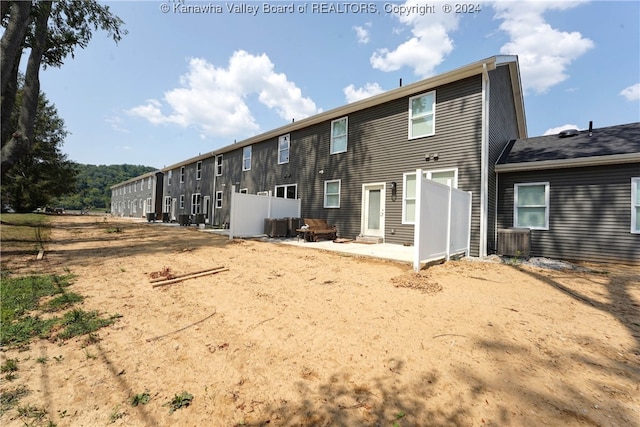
(614, 159)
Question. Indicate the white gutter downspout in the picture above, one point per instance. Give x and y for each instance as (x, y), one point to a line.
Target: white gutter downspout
(484, 163)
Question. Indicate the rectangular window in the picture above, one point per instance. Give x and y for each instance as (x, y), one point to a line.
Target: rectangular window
(218, 199)
(149, 184)
(422, 115)
(246, 158)
(446, 176)
(169, 177)
(182, 201)
(199, 170)
(182, 174)
(287, 191)
(219, 165)
(167, 204)
(635, 205)
(531, 205)
(332, 194)
(283, 149)
(149, 209)
(196, 200)
(339, 136)
(244, 191)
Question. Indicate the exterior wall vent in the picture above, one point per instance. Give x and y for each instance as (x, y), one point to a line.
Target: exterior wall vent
(514, 242)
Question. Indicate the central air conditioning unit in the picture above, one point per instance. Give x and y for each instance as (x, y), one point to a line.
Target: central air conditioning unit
(514, 242)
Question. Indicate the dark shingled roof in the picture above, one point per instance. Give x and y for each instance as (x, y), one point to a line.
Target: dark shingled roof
(620, 139)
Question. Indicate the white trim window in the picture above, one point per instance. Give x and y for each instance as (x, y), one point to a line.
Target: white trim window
(246, 158)
(443, 176)
(167, 204)
(169, 175)
(219, 164)
(149, 184)
(339, 135)
(635, 205)
(531, 205)
(196, 201)
(182, 174)
(182, 201)
(243, 191)
(149, 206)
(422, 115)
(332, 194)
(287, 191)
(218, 199)
(199, 170)
(284, 143)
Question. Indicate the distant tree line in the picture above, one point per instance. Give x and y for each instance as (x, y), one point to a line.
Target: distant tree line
(93, 185)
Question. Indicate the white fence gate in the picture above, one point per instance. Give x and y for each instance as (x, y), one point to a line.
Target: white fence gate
(248, 212)
(443, 221)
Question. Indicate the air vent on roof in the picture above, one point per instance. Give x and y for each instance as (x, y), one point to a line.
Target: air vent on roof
(568, 132)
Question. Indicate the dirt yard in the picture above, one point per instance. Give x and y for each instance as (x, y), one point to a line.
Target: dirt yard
(293, 336)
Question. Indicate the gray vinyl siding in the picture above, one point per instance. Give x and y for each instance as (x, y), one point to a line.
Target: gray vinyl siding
(378, 151)
(126, 196)
(589, 213)
(503, 127)
(190, 185)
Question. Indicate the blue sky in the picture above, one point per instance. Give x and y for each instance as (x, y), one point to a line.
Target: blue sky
(184, 82)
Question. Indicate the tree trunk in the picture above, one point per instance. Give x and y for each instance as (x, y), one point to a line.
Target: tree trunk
(21, 140)
(12, 39)
(8, 103)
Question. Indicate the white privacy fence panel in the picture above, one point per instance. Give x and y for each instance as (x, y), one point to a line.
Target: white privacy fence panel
(443, 221)
(248, 212)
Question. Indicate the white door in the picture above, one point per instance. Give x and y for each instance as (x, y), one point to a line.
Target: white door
(174, 203)
(373, 210)
(207, 208)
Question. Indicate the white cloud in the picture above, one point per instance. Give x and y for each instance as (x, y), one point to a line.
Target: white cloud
(544, 52)
(352, 94)
(213, 99)
(632, 93)
(116, 123)
(557, 130)
(362, 33)
(426, 48)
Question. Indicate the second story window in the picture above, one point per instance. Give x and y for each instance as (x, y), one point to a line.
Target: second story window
(219, 164)
(422, 115)
(246, 158)
(283, 149)
(182, 174)
(339, 135)
(199, 170)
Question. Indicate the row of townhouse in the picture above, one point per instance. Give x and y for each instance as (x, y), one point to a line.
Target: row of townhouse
(355, 165)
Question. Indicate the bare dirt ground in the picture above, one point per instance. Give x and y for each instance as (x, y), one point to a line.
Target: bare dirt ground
(291, 336)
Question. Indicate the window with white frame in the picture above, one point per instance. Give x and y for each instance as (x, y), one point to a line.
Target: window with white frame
(246, 158)
(422, 115)
(339, 136)
(244, 191)
(283, 148)
(196, 202)
(218, 199)
(149, 208)
(169, 177)
(445, 176)
(531, 205)
(289, 191)
(182, 201)
(149, 184)
(182, 174)
(199, 170)
(332, 194)
(167, 204)
(635, 205)
(219, 165)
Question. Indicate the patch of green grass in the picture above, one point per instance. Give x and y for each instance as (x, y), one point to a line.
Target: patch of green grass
(116, 414)
(10, 398)
(181, 400)
(32, 411)
(43, 360)
(79, 322)
(10, 365)
(63, 301)
(20, 332)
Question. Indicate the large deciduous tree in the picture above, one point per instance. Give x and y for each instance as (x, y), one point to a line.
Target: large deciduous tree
(51, 31)
(42, 173)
